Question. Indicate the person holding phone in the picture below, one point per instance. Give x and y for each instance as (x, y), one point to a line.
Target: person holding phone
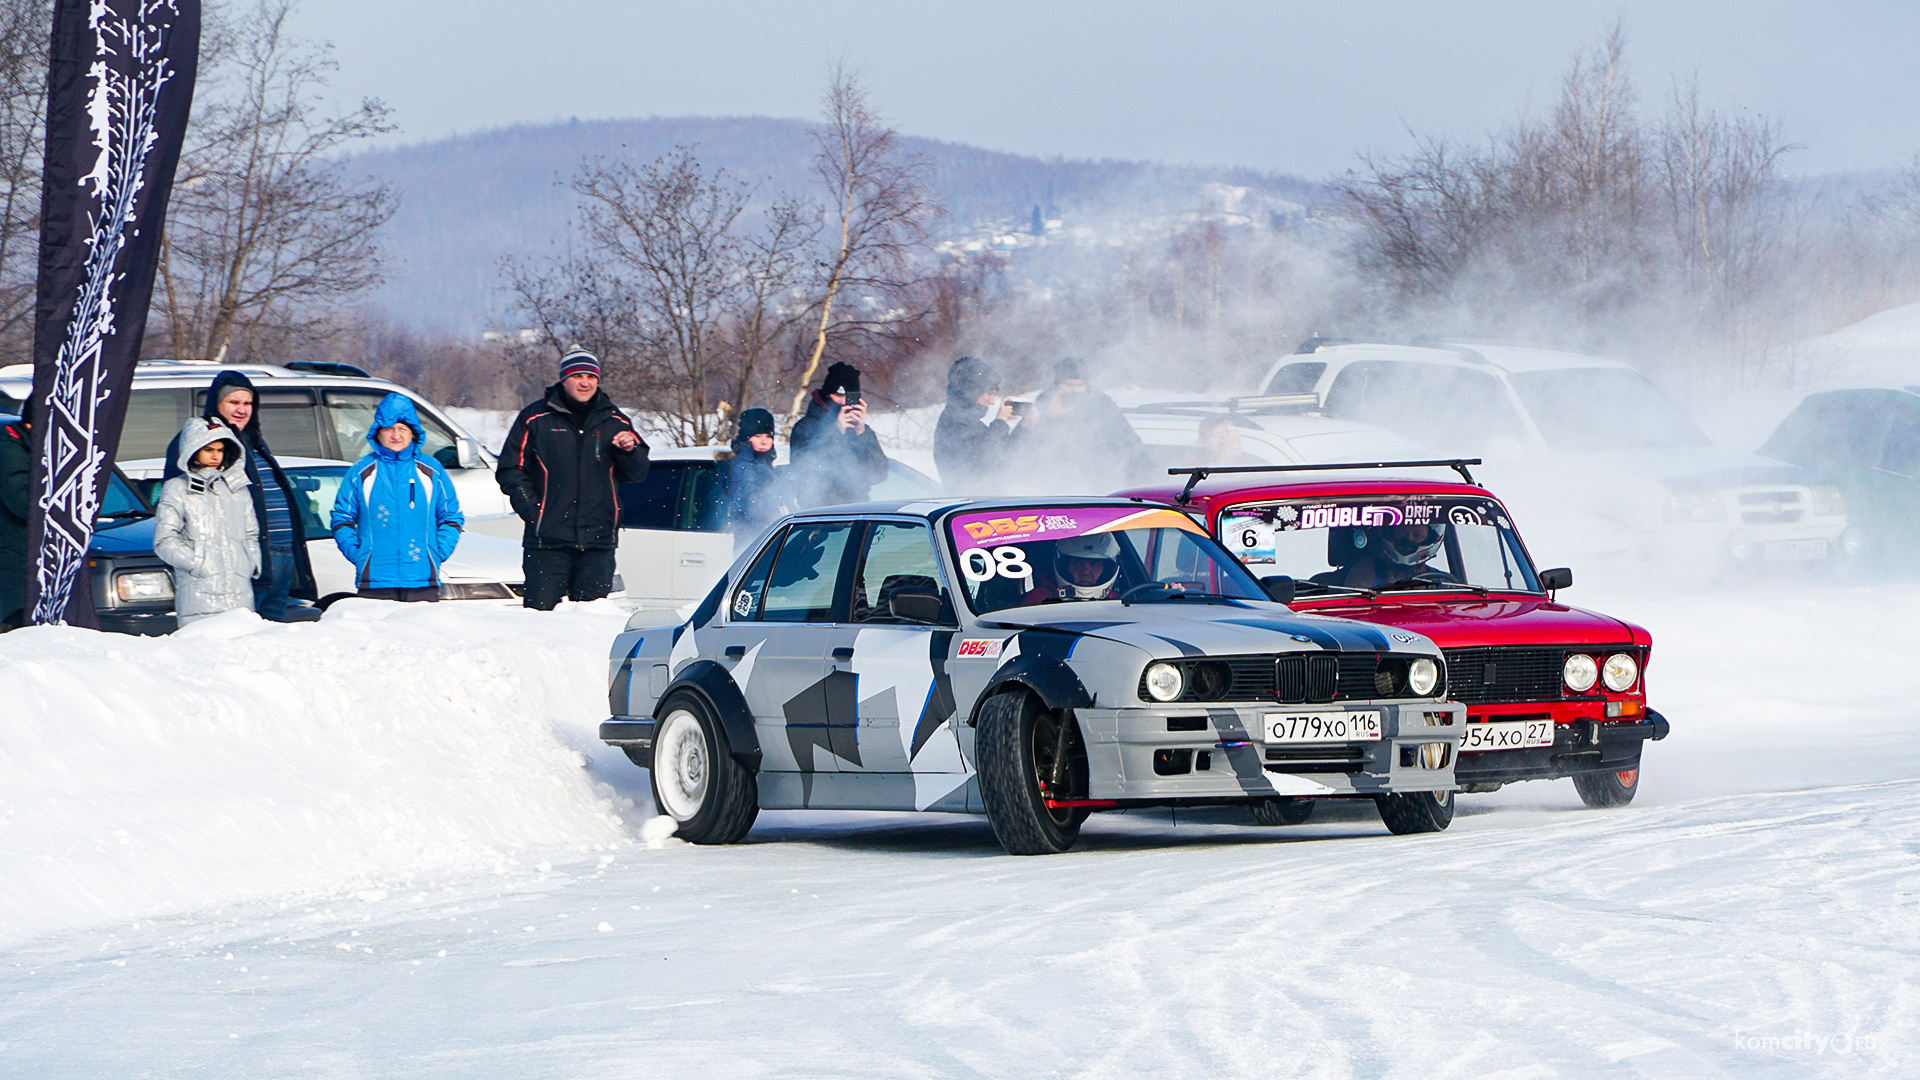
(836, 456)
(970, 441)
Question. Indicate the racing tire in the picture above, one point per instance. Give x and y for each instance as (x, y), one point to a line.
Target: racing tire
(1281, 811)
(1416, 811)
(1606, 790)
(696, 780)
(1011, 758)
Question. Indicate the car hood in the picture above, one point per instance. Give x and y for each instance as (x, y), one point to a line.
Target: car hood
(1463, 621)
(483, 558)
(134, 537)
(1182, 628)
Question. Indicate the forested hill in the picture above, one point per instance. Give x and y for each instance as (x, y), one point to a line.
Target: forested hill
(470, 200)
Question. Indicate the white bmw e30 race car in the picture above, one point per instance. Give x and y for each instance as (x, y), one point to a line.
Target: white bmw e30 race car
(1034, 661)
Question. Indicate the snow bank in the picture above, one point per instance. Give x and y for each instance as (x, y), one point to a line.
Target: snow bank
(240, 758)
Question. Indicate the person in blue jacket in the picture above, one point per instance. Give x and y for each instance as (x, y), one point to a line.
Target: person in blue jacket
(396, 517)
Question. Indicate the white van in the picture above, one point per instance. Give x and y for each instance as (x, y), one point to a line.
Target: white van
(303, 414)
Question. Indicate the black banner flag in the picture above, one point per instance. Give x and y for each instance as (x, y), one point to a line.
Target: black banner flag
(120, 86)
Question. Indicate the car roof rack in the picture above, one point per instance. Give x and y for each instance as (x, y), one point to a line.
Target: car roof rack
(1195, 474)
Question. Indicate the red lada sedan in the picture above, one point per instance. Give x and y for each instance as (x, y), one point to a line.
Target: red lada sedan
(1551, 690)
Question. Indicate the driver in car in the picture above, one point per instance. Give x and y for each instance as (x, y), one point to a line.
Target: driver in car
(1084, 568)
(1393, 553)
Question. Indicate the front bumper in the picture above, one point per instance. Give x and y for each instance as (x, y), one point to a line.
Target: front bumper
(1582, 746)
(143, 623)
(1135, 754)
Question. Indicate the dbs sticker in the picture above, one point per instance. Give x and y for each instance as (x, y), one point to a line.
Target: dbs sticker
(980, 648)
(1005, 526)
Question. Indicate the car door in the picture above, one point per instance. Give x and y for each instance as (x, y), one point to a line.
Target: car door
(702, 546)
(903, 696)
(785, 618)
(649, 520)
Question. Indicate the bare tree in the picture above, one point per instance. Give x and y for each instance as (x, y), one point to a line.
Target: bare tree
(880, 205)
(26, 27)
(670, 285)
(267, 231)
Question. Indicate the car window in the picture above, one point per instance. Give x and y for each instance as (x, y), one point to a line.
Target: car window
(897, 555)
(1832, 431)
(1455, 408)
(1901, 454)
(903, 484)
(653, 503)
(122, 499)
(1587, 409)
(1297, 378)
(287, 418)
(806, 575)
(317, 488)
(1371, 542)
(350, 413)
(707, 501)
(154, 417)
(745, 605)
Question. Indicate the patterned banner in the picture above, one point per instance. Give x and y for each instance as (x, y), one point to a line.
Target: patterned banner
(120, 87)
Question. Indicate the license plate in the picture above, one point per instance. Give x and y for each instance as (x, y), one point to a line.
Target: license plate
(1794, 550)
(1322, 727)
(1517, 735)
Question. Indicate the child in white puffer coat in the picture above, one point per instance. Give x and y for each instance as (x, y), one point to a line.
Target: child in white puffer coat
(204, 526)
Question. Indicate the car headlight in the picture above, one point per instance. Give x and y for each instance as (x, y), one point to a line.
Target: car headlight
(1828, 502)
(1164, 682)
(1619, 672)
(1695, 506)
(143, 586)
(1580, 673)
(1422, 676)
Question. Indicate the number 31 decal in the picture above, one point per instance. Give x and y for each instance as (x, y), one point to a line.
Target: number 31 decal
(985, 564)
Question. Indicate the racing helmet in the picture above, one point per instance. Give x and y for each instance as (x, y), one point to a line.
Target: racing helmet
(1094, 547)
(1410, 550)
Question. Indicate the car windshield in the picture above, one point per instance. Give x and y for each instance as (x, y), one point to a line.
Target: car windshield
(121, 500)
(1393, 542)
(1585, 409)
(317, 485)
(1015, 558)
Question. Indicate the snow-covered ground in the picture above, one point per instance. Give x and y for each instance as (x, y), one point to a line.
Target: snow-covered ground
(369, 847)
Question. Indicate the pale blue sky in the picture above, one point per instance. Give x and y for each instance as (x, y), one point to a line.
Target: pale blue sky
(1296, 87)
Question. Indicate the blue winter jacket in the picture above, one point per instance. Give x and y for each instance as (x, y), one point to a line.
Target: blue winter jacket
(396, 517)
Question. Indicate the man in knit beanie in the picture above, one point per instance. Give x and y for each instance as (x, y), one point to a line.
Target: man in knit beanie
(562, 466)
(836, 456)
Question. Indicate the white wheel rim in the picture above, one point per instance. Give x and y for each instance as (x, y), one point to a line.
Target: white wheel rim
(680, 766)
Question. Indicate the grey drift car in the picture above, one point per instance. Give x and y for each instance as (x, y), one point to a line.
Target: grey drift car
(1030, 661)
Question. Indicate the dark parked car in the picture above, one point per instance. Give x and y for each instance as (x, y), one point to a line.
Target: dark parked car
(1866, 441)
(132, 587)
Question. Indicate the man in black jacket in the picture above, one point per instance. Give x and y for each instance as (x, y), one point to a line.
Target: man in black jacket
(564, 461)
(970, 441)
(836, 457)
(285, 571)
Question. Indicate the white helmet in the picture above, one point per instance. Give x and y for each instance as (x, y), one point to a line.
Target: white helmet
(1410, 552)
(1094, 547)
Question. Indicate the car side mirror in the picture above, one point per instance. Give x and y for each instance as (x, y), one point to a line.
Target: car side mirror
(916, 605)
(1556, 579)
(1279, 587)
(469, 451)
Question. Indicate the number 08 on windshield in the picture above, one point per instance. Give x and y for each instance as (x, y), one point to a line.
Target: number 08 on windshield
(1083, 554)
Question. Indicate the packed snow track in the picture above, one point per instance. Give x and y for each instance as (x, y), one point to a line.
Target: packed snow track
(369, 847)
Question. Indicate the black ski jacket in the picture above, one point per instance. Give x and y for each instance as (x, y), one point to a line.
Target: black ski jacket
(833, 466)
(560, 469)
